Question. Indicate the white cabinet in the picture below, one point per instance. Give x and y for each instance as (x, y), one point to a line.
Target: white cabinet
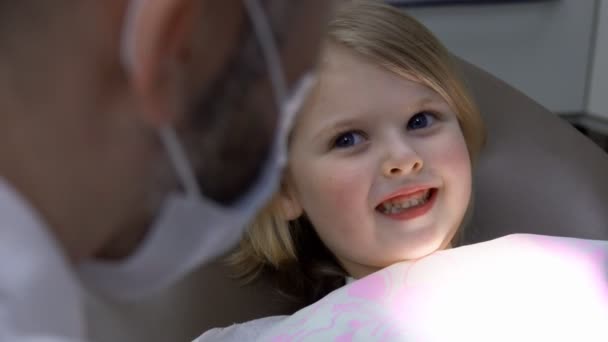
(542, 48)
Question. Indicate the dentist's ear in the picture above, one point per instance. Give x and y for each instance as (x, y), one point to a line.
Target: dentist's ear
(154, 48)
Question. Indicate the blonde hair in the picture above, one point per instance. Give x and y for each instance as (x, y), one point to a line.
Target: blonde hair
(291, 252)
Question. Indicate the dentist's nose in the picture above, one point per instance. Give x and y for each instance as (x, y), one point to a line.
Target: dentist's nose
(401, 161)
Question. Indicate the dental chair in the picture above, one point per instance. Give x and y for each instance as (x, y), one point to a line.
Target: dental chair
(536, 175)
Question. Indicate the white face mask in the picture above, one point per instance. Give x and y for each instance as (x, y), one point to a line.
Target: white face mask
(191, 229)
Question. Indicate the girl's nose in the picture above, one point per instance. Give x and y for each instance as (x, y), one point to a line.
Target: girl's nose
(401, 162)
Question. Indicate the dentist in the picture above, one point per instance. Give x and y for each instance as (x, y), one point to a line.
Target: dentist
(137, 137)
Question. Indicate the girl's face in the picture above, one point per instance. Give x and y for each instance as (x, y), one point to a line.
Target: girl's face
(378, 164)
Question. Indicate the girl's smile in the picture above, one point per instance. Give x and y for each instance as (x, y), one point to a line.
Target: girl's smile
(408, 205)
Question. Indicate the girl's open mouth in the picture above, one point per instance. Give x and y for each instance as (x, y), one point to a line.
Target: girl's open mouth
(409, 206)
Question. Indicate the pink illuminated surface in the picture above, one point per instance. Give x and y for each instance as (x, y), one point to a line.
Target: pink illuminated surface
(516, 288)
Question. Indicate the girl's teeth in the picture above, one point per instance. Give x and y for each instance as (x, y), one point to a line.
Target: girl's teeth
(397, 207)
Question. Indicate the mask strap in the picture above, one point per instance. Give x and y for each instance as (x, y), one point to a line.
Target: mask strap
(127, 42)
(180, 162)
(168, 137)
(260, 23)
(261, 26)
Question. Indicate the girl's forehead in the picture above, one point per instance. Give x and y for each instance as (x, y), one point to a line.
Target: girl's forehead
(343, 71)
(337, 58)
(352, 83)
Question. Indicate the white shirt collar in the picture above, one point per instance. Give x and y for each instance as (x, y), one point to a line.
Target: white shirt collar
(39, 293)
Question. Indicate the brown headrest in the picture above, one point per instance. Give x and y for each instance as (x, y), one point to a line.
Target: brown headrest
(537, 174)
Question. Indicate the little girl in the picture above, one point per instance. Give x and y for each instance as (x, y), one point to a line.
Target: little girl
(380, 159)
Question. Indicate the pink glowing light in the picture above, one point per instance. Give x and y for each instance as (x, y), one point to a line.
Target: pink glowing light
(516, 288)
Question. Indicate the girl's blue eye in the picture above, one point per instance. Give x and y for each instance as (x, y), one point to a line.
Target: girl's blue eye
(420, 121)
(348, 139)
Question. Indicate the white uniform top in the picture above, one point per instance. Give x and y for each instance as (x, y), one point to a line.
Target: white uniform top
(40, 296)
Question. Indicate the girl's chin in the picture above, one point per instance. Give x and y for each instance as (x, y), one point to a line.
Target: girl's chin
(421, 252)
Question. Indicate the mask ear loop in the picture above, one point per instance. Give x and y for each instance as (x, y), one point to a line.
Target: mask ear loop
(127, 41)
(261, 27)
(286, 108)
(168, 136)
(270, 51)
(182, 166)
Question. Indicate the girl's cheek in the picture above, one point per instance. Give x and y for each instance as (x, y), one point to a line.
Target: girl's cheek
(333, 184)
(451, 151)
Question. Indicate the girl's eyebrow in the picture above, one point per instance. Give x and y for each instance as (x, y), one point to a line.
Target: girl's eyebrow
(425, 101)
(337, 126)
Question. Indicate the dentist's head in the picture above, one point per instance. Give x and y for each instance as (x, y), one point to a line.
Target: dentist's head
(147, 132)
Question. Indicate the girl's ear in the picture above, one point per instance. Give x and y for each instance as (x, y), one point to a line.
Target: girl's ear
(288, 202)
